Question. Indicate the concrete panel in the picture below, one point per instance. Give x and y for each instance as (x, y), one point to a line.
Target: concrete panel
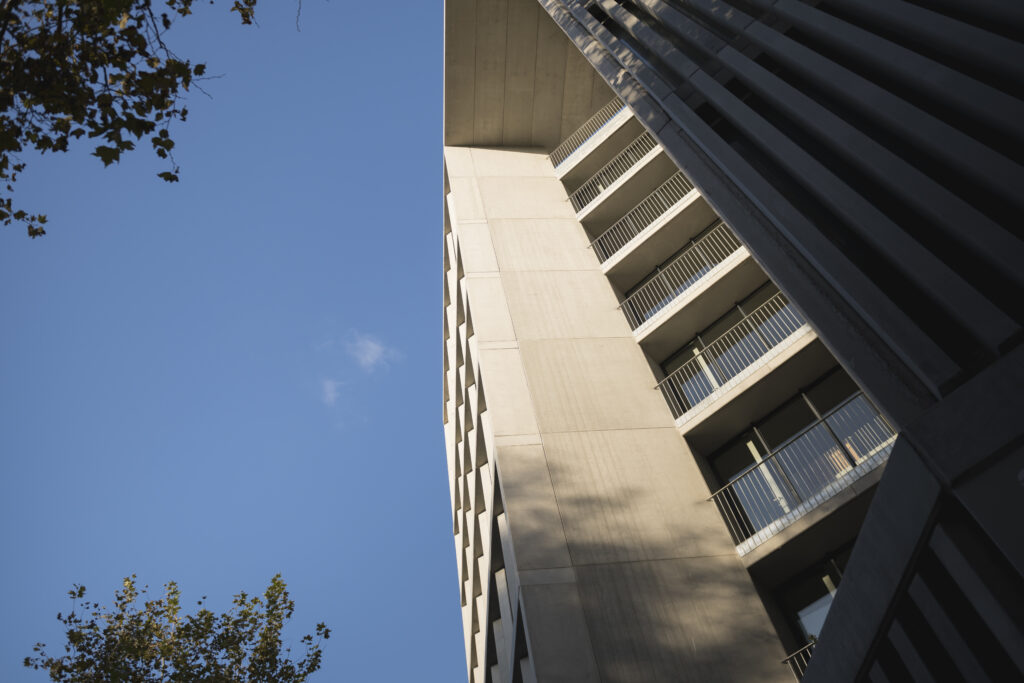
(524, 198)
(552, 48)
(459, 70)
(466, 200)
(505, 76)
(693, 620)
(501, 374)
(531, 577)
(475, 248)
(600, 93)
(563, 304)
(579, 84)
(489, 90)
(632, 495)
(580, 384)
(556, 629)
(507, 163)
(459, 162)
(539, 244)
(531, 509)
(994, 498)
(520, 66)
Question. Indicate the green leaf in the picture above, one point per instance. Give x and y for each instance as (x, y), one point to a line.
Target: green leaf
(99, 69)
(107, 155)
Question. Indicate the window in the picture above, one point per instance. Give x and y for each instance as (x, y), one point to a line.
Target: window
(806, 598)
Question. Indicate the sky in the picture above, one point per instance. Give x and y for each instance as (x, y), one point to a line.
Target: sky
(240, 374)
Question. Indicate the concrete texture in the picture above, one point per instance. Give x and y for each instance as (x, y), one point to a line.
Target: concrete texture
(602, 510)
(924, 313)
(525, 87)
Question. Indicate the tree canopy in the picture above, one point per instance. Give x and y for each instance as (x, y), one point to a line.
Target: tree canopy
(97, 69)
(155, 643)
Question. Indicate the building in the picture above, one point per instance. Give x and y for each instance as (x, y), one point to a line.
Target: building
(733, 296)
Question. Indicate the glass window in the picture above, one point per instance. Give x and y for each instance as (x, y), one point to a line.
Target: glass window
(683, 355)
(807, 598)
(720, 326)
(761, 295)
(812, 617)
(736, 457)
(831, 391)
(787, 421)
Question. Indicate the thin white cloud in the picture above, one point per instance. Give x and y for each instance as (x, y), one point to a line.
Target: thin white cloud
(329, 391)
(324, 344)
(370, 353)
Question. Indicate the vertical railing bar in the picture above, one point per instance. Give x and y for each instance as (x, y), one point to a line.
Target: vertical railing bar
(809, 463)
(646, 212)
(683, 264)
(586, 131)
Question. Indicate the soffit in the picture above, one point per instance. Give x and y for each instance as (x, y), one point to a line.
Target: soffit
(512, 78)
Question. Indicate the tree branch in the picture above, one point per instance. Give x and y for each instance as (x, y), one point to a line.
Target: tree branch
(10, 7)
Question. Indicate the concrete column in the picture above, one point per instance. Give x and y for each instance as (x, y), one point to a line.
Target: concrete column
(624, 571)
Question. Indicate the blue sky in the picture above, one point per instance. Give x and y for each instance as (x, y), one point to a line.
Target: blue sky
(239, 374)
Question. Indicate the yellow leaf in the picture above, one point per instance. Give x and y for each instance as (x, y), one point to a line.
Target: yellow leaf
(124, 21)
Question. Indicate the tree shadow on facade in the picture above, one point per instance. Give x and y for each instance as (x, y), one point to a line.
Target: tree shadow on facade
(659, 606)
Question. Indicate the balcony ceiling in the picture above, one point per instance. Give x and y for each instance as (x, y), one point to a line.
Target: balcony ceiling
(512, 78)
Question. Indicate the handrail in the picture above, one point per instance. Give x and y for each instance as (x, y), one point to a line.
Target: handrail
(810, 467)
(785, 444)
(680, 274)
(586, 131)
(731, 353)
(799, 660)
(612, 171)
(637, 219)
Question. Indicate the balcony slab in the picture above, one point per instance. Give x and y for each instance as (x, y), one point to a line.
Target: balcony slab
(700, 304)
(665, 235)
(791, 365)
(640, 180)
(831, 523)
(599, 149)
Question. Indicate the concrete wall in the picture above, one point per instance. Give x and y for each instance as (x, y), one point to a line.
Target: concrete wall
(622, 569)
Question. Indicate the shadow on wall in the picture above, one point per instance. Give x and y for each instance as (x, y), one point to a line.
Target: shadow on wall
(664, 600)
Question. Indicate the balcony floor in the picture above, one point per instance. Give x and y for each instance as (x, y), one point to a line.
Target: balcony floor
(793, 363)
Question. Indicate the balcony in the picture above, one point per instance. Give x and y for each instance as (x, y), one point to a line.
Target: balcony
(642, 216)
(698, 260)
(798, 661)
(838, 449)
(613, 171)
(585, 132)
(723, 362)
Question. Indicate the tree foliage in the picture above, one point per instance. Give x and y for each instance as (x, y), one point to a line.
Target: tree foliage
(90, 68)
(155, 643)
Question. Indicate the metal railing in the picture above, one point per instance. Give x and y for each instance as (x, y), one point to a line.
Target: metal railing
(810, 468)
(737, 349)
(799, 660)
(683, 272)
(612, 171)
(586, 131)
(655, 205)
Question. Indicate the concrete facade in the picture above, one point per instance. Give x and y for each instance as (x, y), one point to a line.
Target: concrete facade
(614, 553)
(666, 430)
